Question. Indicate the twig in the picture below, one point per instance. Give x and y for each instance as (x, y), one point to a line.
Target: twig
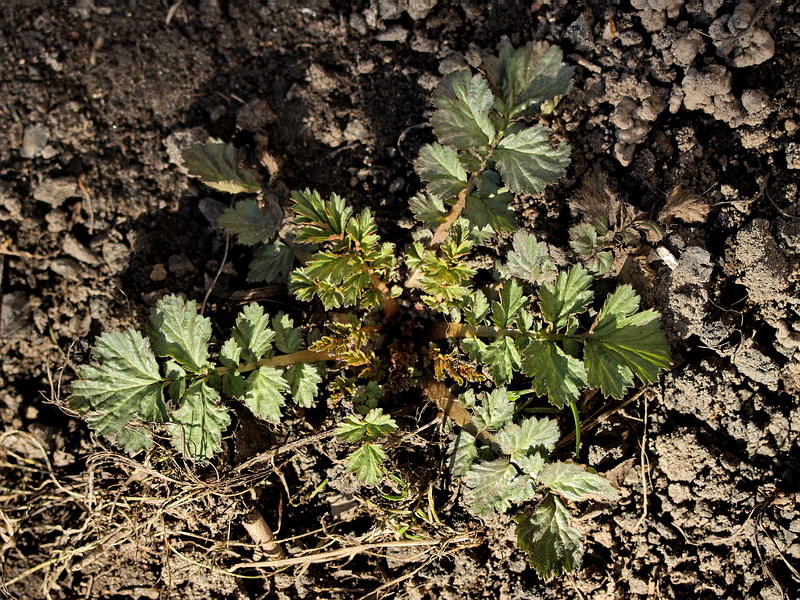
(642, 465)
(262, 534)
(218, 273)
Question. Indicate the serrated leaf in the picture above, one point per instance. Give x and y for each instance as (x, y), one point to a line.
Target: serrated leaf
(428, 209)
(503, 359)
(583, 239)
(555, 373)
(270, 263)
(234, 384)
(304, 380)
(475, 348)
(491, 211)
(217, 165)
(320, 220)
(494, 410)
(198, 424)
(476, 308)
(568, 296)
(440, 167)
(494, 485)
(374, 425)
(248, 223)
(553, 545)
(252, 332)
(133, 438)
(288, 338)
(125, 384)
(528, 260)
(176, 330)
(464, 101)
(463, 453)
(527, 162)
(264, 395)
(366, 463)
(624, 342)
(530, 464)
(574, 482)
(531, 434)
(512, 300)
(230, 355)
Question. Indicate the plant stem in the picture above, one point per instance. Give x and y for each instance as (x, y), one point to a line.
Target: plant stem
(283, 360)
(442, 331)
(577, 418)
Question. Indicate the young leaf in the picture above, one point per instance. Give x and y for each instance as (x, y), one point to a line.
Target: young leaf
(320, 220)
(366, 463)
(528, 260)
(216, 164)
(264, 393)
(623, 343)
(531, 434)
(428, 209)
(574, 482)
(248, 223)
(304, 380)
(505, 312)
(252, 332)
(568, 296)
(439, 166)
(288, 338)
(374, 425)
(271, 263)
(494, 411)
(230, 355)
(198, 424)
(547, 535)
(528, 163)
(463, 452)
(176, 330)
(125, 384)
(503, 358)
(583, 239)
(477, 308)
(555, 373)
(494, 485)
(464, 101)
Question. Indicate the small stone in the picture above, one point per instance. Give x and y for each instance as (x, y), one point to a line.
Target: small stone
(66, 268)
(419, 9)
(78, 251)
(396, 33)
(355, 131)
(255, 116)
(158, 273)
(56, 191)
(358, 23)
(793, 155)
(116, 256)
(34, 140)
(180, 265)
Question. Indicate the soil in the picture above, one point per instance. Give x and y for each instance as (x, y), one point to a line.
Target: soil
(98, 222)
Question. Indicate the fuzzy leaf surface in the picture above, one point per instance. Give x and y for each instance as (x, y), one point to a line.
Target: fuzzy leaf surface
(463, 453)
(248, 223)
(304, 380)
(624, 343)
(176, 330)
(440, 167)
(252, 332)
(464, 101)
(374, 425)
(495, 410)
(428, 209)
(532, 433)
(503, 359)
(574, 482)
(528, 163)
(528, 260)
(125, 384)
(512, 300)
(366, 463)
(555, 373)
(271, 263)
(198, 424)
(494, 485)
(217, 165)
(547, 535)
(288, 338)
(569, 295)
(264, 394)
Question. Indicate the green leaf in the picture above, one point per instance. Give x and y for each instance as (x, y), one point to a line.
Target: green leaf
(264, 393)
(516, 440)
(374, 425)
(428, 209)
(583, 239)
(252, 332)
(574, 482)
(198, 424)
(512, 300)
(568, 296)
(503, 358)
(528, 260)
(464, 101)
(463, 453)
(494, 485)
(133, 438)
(320, 220)
(624, 342)
(270, 263)
(494, 411)
(216, 164)
(248, 223)
(555, 373)
(439, 166)
(288, 338)
(488, 205)
(528, 163)
(547, 535)
(366, 463)
(230, 355)
(124, 385)
(476, 308)
(176, 330)
(304, 380)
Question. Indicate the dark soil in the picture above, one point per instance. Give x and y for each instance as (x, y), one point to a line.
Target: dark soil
(98, 222)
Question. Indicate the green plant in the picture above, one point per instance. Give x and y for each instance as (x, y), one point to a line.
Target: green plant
(536, 327)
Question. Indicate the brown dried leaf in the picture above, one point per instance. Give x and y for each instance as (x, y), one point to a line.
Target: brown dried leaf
(684, 205)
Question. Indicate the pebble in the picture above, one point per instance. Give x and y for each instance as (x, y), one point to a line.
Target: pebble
(56, 191)
(34, 140)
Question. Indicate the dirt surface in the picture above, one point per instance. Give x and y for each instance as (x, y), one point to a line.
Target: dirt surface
(98, 222)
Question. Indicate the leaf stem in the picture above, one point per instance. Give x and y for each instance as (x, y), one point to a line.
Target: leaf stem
(442, 331)
(577, 418)
(283, 360)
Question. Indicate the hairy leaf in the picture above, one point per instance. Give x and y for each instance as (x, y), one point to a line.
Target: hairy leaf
(528, 260)
(494, 485)
(264, 395)
(463, 453)
(528, 163)
(477, 308)
(216, 164)
(271, 263)
(532, 433)
(304, 380)
(624, 342)
(374, 425)
(439, 166)
(568, 296)
(503, 358)
(574, 482)
(248, 223)
(547, 535)
(495, 410)
(366, 463)
(230, 355)
(288, 338)
(252, 332)
(464, 101)
(176, 330)
(555, 373)
(198, 424)
(320, 220)
(428, 209)
(512, 300)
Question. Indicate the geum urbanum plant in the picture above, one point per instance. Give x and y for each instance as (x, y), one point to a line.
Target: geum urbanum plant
(539, 332)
